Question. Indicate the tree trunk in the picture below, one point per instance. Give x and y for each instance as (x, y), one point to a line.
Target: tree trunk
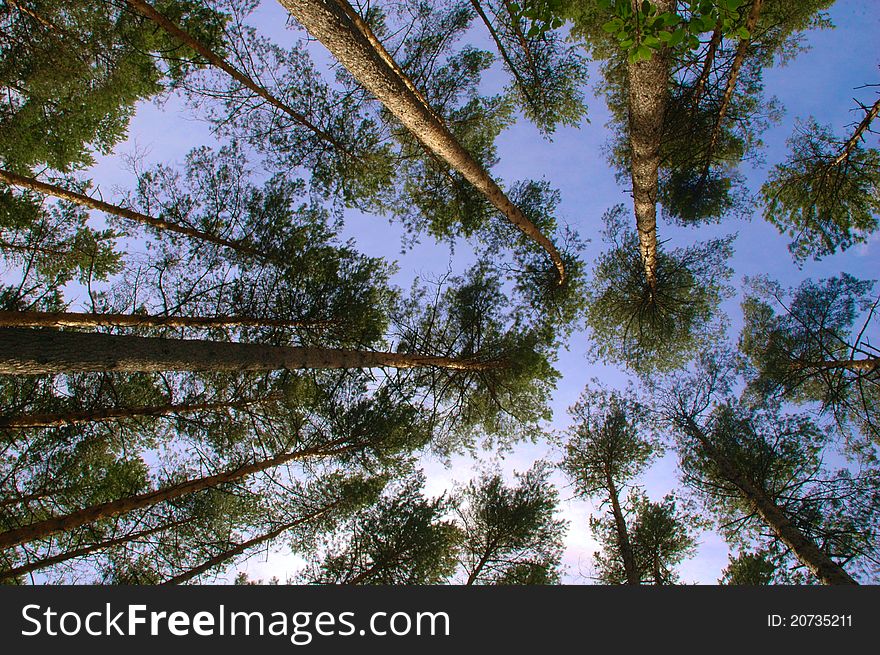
(38, 352)
(626, 551)
(92, 320)
(853, 141)
(25, 569)
(821, 565)
(708, 62)
(48, 527)
(648, 92)
(738, 61)
(240, 548)
(330, 21)
(860, 365)
(147, 10)
(32, 184)
(98, 415)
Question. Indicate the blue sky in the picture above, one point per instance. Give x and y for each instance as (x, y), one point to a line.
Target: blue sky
(820, 82)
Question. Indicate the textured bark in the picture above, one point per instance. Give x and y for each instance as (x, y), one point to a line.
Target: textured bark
(738, 61)
(242, 547)
(89, 320)
(860, 130)
(805, 549)
(330, 21)
(37, 565)
(37, 352)
(52, 420)
(648, 93)
(113, 508)
(32, 184)
(708, 62)
(147, 10)
(626, 551)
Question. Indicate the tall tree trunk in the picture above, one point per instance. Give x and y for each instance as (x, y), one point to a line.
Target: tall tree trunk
(805, 549)
(331, 22)
(242, 547)
(648, 92)
(32, 184)
(708, 63)
(98, 415)
(481, 564)
(37, 352)
(92, 320)
(46, 562)
(738, 60)
(626, 551)
(860, 130)
(48, 527)
(150, 12)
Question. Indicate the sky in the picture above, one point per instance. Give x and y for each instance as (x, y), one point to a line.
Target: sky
(821, 83)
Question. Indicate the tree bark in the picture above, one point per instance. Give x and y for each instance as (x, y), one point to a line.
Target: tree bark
(92, 320)
(48, 527)
(330, 22)
(626, 551)
(860, 365)
(38, 352)
(37, 565)
(860, 130)
(32, 184)
(648, 93)
(821, 565)
(708, 62)
(240, 548)
(98, 415)
(738, 61)
(150, 12)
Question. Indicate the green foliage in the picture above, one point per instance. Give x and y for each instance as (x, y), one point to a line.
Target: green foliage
(510, 535)
(825, 206)
(748, 569)
(647, 329)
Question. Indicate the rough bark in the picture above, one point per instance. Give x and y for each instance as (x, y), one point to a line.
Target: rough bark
(61, 193)
(91, 320)
(805, 549)
(708, 63)
(857, 135)
(38, 352)
(738, 60)
(626, 551)
(98, 415)
(150, 12)
(242, 547)
(648, 93)
(113, 508)
(331, 23)
(46, 562)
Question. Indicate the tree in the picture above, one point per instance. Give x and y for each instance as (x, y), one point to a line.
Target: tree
(509, 535)
(401, 539)
(748, 569)
(353, 44)
(654, 329)
(805, 345)
(605, 452)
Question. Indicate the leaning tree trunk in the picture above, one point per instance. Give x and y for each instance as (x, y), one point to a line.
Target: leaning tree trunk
(626, 551)
(865, 365)
(648, 91)
(113, 508)
(738, 61)
(94, 320)
(102, 414)
(708, 64)
(805, 549)
(857, 135)
(349, 40)
(38, 352)
(147, 10)
(240, 548)
(46, 562)
(23, 182)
